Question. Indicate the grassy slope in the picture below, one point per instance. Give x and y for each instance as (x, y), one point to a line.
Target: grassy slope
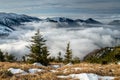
(107, 55)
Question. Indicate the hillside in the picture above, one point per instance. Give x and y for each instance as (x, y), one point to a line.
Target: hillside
(107, 54)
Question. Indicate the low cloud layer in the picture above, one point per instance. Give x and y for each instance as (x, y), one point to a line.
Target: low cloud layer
(82, 39)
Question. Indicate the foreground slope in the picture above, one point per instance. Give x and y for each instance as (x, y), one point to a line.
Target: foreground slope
(82, 71)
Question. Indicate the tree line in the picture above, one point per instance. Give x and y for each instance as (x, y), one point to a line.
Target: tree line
(39, 53)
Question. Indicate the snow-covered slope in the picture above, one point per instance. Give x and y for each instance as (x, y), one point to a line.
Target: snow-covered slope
(8, 20)
(4, 30)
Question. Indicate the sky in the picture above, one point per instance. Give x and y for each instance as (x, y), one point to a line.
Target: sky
(60, 7)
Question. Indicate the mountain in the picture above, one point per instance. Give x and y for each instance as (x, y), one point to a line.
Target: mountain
(88, 21)
(115, 22)
(10, 19)
(92, 21)
(79, 20)
(5, 30)
(50, 20)
(107, 54)
(7, 20)
(62, 21)
(68, 20)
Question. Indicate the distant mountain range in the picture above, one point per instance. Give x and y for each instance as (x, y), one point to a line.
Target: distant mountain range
(68, 20)
(8, 20)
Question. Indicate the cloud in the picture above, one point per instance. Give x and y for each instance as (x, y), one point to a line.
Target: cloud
(83, 40)
(56, 6)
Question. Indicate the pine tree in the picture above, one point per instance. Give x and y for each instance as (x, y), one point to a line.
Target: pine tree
(52, 59)
(23, 59)
(59, 58)
(1, 56)
(39, 51)
(9, 57)
(68, 54)
(44, 56)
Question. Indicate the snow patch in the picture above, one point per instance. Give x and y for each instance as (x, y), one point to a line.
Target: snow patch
(55, 66)
(86, 76)
(16, 71)
(37, 64)
(33, 71)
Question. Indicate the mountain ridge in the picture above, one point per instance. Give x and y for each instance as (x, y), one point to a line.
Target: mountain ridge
(114, 22)
(8, 20)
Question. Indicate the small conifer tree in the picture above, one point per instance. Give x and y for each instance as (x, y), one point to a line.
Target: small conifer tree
(38, 49)
(23, 59)
(68, 54)
(9, 57)
(59, 57)
(1, 56)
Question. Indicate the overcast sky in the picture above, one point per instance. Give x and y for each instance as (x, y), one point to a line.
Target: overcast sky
(60, 7)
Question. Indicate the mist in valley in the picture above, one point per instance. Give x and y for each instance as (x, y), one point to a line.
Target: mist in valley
(82, 39)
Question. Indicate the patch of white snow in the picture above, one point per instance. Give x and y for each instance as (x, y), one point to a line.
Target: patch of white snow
(16, 71)
(87, 76)
(33, 71)
(55, 66)
(37, 64)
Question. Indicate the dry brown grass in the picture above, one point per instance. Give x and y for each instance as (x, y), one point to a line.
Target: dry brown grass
(44, 76)
(103, 70)
(23, 66)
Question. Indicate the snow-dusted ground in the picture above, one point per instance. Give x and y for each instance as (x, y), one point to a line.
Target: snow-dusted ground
(81, 76)
(86, 76)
